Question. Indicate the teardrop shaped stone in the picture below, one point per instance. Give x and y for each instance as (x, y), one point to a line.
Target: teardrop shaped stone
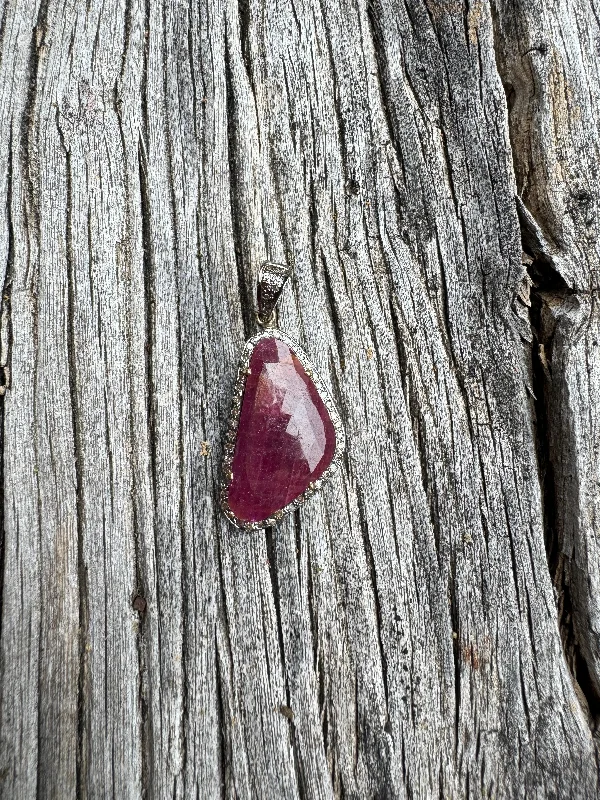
(285, 436)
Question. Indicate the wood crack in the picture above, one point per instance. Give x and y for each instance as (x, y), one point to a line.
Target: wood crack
(83, 679)
(556, 211)
(547, 281)
(247, 305)
(5, 354)
(147, 733)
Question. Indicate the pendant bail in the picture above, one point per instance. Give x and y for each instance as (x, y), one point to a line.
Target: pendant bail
(271, 280)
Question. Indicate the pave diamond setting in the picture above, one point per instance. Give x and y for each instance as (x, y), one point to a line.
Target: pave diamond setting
(285, 437)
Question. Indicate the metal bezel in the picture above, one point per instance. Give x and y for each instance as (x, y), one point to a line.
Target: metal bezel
(231, 436)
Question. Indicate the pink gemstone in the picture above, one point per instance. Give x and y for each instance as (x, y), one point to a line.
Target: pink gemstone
(285, 436)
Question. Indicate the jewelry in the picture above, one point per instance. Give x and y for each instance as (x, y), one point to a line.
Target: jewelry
(285, 436)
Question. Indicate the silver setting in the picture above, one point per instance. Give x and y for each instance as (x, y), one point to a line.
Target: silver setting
(238, 392)
(271, 280)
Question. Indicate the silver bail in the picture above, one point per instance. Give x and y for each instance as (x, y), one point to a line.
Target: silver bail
(271, 280)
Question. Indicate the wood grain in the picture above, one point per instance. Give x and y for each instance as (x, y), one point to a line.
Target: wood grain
(551, 73)
(428, 625)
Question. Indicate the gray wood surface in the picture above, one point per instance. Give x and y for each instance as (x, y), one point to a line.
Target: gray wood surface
(428, 626)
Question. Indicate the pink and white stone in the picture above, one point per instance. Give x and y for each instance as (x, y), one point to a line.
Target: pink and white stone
(285, 436)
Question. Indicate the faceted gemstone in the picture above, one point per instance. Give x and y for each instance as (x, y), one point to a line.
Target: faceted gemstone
(285, 437)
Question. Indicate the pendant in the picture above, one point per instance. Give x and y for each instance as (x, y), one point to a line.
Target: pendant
(285, 437)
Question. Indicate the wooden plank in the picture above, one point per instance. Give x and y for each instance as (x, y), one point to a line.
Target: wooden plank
(550, 69)
(398, 636)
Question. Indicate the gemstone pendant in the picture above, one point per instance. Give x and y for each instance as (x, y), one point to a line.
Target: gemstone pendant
(285, 436)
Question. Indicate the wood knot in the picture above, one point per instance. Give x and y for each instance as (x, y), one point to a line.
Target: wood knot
(139, 603)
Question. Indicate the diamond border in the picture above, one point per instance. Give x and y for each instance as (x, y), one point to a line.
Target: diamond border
(234, 417)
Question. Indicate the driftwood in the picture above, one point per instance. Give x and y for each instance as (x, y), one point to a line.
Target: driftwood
(429, 625)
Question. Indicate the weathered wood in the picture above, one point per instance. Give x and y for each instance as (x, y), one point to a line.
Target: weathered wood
(549, 63)
(399, 636)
